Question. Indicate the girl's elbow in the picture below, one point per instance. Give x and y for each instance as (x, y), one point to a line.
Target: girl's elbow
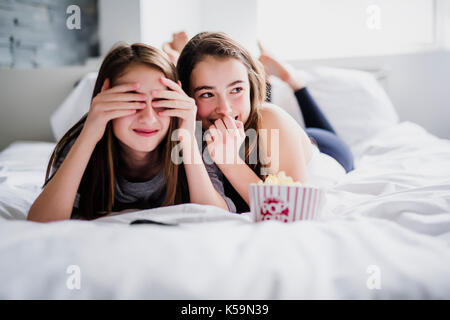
(37, 214)
(32, 214)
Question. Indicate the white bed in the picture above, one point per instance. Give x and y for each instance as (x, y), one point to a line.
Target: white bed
(385, 234)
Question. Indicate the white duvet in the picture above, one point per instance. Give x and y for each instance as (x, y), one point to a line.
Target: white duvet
(385, 234)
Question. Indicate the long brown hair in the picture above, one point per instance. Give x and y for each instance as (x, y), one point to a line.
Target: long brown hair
(97, 184)
(220, 45)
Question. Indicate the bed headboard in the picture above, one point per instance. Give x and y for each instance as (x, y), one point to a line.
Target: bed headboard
(28, 98)
(373, 65)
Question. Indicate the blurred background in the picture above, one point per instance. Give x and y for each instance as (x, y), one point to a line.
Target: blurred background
(46, 46)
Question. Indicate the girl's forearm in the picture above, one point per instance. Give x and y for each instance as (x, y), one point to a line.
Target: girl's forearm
(57, 198)
(240, 176)
(201, 189)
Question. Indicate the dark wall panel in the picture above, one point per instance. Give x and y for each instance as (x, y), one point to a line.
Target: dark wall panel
(33, 33)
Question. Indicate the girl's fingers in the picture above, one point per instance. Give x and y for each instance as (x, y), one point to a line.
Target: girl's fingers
(105, 85)
(169, 94)
(220, 126)
(173, 113)
(229, 123)
(214, 133)
(208, 138)
(124, 87)
(171, 85)
(210, 144)
(173, 104)
(120, 113)
(124, 97)
(117, 105)
(240, 127)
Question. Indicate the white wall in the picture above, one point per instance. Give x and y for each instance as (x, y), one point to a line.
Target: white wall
(160, 19)
(443, 23)
(154, 21)
(345, 28)
(446, 19)
(238, 18)
(119, 20)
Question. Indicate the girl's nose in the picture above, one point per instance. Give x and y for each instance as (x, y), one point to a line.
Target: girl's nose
(223, 106)
(148, 114)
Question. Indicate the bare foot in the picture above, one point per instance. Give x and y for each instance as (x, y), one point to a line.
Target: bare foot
(273, 67)
(179, 40)
(172, 54)
(174, 48)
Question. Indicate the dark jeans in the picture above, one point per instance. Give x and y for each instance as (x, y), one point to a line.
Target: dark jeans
(318, 127)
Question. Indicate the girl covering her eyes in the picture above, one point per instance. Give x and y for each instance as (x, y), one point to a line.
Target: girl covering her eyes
(119, 156)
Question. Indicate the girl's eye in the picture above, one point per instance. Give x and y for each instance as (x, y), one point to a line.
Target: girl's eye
(206, 95)
(237, 90)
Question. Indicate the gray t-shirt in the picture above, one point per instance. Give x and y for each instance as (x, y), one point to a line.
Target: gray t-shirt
(148, 194)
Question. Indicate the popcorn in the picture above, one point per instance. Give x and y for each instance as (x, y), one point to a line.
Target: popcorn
(280, 179)
(282, 199)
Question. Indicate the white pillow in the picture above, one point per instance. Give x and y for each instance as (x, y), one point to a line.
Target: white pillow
(353, 101)
(74, 107)
(22, 174)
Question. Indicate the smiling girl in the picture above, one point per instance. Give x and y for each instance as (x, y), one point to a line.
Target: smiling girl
(228, 86)
(119, 155)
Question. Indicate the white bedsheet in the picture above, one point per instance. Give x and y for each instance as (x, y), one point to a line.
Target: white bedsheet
(389, 218)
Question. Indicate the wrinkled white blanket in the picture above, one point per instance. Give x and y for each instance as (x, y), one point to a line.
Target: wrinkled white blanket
(385, 234)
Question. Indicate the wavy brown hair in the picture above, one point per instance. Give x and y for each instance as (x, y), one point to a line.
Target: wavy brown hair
(97, 184)
(220, 45)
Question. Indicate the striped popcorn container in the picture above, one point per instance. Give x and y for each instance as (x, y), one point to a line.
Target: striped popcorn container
(285, 203)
